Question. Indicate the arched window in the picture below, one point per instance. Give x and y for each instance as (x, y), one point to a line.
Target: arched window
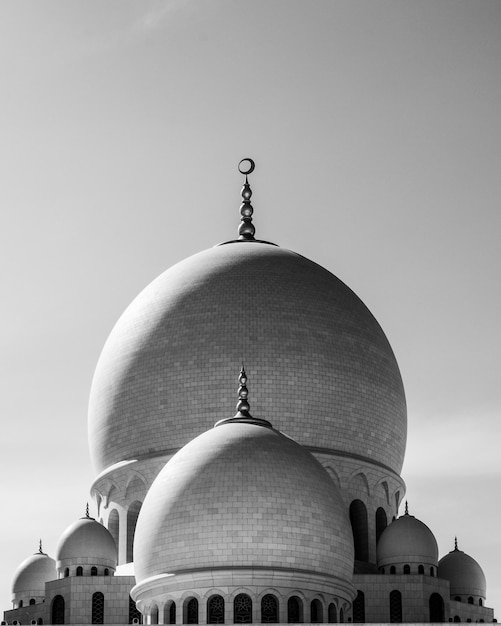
(215, 610)
(66, 572)
(316, 612)
(381, 569)
(470, 600)
(154, 614)
(436, 604)
(480, 602)
(106, 571)
(341, 615)
(381, 522)
(432, 571)
(93, 571)
(172, 613)
(57, 610)
(332, 613)
(114, 526)
(134, 612)
(269, 609)
(360, 529)
(393, 570)
(21, 604)
(191, 611)
(294, 610)
(457, 618)
(407, 569)
(457, 598)
(39, 621)
(97, 608)
(242, 609)
(32, 600)
(132, 515)
(420, 569)
(395, 607)
(359, 608)
(79, 570)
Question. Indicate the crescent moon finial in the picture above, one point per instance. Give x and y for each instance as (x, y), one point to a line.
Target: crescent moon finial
(246, 229)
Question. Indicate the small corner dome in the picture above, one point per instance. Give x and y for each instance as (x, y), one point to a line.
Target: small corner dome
(32, 574)
(407, 540)
(222, 496)
(464, 574)
(86, 541)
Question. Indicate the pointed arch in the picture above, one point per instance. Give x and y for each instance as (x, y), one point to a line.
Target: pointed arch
(215, 610)
(57, 610)
(358, 482)
(269, 609)
(242, 609)
(132, 515)
(381, 522)
(136, 487)
(190, 611)
(295, 613)
(360, 528)
(316, 611)
(98, 608)
(359, 608)
(395, 607)
(334, 475)
(332, 613)
(436, 605)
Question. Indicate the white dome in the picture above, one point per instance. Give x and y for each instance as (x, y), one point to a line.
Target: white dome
(292, 315)
(31, 576)
(244, 497)
(464, 574)
(407, 541)
(87, 543)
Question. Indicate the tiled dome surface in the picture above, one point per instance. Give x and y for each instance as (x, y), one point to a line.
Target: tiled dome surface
(243, 496)
(31, 576)
(465, 575)
(86, 539)
(166, 372)
(407, 540)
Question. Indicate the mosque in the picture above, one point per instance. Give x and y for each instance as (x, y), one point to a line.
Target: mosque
(285, 512)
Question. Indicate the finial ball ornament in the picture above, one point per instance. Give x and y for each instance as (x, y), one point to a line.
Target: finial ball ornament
(246, 169)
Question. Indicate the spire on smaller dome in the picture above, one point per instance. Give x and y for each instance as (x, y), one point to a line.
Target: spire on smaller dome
(40, 551)
(87, 510)
(246, 229)
(243, 406)
(406, 508)
(456, 549)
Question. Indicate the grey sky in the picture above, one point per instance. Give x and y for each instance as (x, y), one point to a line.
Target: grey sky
(376, 130)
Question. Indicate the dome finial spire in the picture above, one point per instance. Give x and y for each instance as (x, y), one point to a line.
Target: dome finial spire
(40, 551)
(406, 508)
(87, 511)
(243, 405)
(246, 229)
(456, 544)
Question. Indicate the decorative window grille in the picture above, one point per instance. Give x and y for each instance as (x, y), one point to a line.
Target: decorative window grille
(359, 608)
(242, 609)
(395, 607)
(97, 608)
(269, 609)
(192, 611)
(134, 612)
(215, 610)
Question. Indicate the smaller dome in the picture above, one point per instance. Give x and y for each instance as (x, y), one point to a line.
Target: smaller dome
(464, 574)
(31, 576)
(88, 543)
(407, 541)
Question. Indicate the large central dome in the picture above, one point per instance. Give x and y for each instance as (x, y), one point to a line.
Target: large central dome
(279, 313)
